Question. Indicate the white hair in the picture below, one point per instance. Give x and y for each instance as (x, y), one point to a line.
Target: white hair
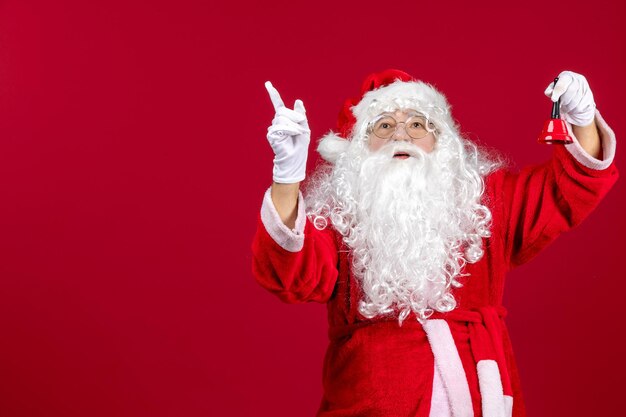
(412, 225)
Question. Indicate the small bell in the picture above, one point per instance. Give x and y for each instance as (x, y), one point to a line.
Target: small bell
(555, 130)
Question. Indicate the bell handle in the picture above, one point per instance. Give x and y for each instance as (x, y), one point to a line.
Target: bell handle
(556, 113)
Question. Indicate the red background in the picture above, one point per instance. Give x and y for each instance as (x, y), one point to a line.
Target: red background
(133, 161)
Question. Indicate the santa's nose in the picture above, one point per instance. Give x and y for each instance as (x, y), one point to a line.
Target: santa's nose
(400, 134)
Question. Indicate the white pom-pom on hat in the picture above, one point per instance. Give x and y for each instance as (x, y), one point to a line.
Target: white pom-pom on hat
(331, 146)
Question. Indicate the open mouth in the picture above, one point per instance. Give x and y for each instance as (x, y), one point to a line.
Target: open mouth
(401, 155)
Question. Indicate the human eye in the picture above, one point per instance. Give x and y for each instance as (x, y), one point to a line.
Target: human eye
(385, 123)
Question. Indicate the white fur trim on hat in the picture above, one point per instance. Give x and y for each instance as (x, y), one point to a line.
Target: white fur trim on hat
(415, 95)
(331, 146)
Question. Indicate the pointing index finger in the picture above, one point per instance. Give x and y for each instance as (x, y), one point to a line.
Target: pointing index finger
(274, 96)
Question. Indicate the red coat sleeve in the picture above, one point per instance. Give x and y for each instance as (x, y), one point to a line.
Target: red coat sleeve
(542, 201)
(308, 274)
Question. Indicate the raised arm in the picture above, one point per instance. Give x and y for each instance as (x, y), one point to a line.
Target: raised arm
(289, 136)
(589, 139)
(291, 258)
(545, 200)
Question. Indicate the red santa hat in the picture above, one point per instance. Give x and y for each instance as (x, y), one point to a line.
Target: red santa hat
(383, 91)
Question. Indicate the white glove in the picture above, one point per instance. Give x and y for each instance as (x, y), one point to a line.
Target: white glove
(289, 137)
(577, 105)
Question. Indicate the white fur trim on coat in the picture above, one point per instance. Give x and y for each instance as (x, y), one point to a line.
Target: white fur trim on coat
(291, 240)
(449, 363)
(439, 402)
(608, 142)
(508, 405)
(491, 392)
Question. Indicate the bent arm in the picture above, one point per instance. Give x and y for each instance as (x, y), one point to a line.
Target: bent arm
(298, 264)
(545, 200)
(589, 139)
(285, 199)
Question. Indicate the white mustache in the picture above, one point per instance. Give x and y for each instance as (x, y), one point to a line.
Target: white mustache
(394, 148)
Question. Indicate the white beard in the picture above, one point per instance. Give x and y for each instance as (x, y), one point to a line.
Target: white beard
(412, 224)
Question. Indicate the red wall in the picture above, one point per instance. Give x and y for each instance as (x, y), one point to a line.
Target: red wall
(133, 161)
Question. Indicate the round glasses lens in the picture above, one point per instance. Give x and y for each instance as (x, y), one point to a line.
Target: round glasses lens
(385, 127)
(416, 127)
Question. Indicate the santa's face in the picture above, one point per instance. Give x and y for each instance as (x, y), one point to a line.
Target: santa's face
(413, 223)
(400, 132)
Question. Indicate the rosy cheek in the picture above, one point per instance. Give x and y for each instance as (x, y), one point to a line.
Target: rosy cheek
(375, 144)
(427, 144)
(427, 149)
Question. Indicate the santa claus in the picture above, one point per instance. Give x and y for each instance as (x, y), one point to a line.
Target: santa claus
(407, 232)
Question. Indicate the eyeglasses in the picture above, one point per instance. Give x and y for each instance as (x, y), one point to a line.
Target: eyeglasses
(416, 126)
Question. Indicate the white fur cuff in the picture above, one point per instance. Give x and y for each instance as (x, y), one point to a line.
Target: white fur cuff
(291, 240)
(607, 139)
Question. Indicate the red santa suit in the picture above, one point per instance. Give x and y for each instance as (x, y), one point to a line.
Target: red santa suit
(459, 363)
